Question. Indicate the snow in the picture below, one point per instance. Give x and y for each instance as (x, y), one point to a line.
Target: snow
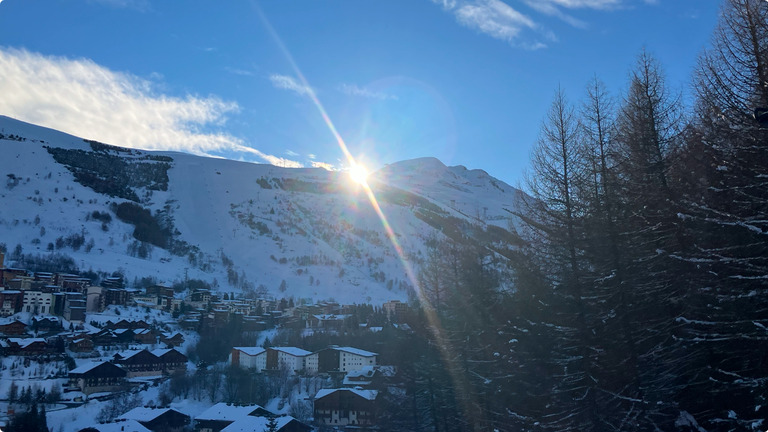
(86, 367)
(223, 411)
(251, 351)
(121, 426)
(296, 352)
(144, 414)
(366, 394)
(356, 351)
(215, 203)
(255, 424)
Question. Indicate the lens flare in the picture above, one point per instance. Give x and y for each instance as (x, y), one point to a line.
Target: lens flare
(358, 174)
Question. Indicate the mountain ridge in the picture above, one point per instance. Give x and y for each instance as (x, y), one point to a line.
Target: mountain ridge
(303, 232)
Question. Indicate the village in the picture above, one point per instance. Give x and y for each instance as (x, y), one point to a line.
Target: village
(108, 357)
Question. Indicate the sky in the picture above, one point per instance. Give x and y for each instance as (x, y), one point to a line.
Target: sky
(281, 81)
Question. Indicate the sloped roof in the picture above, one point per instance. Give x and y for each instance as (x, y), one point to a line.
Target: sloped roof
(366, 394)
(251, 351)
(356, 351)
(25, 342)
(222, 411)
(296, 352)
(256, 424)
(143, 414)
(90, 366)
(121, 426)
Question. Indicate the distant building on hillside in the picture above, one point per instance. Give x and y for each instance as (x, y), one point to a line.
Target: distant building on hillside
(158, 419)
(97, 377)
(249, 358)
(345, 407)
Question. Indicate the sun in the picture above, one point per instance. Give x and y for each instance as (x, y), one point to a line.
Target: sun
(358, 174)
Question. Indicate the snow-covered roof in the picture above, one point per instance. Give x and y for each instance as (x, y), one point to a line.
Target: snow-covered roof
(296, 352)
(9, 320)
(25, 342)
(121, 426)
(143, 414)
(251, 351)
(365, 371)
(356, 351)
(86, 367)
(125, 355)
(366, 394)
(222, 411)
(256, 424)
(161, 352)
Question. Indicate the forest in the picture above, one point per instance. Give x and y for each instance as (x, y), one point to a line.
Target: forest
(640, 297)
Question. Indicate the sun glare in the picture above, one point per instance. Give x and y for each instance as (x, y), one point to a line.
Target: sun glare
(358, 174)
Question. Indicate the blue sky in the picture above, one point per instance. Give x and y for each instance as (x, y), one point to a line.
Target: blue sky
(467, 81)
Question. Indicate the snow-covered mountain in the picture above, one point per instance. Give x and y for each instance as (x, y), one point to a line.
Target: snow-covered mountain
(308, 233)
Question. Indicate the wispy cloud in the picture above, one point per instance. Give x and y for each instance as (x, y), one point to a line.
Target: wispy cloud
(291, 153)
(85, 99)
(496, 19)
(238, 71)
(286, 82)
(354, 90)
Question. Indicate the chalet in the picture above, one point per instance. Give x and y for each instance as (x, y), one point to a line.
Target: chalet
(82, 344)
(126, 324)
(221, 415)
(12, 328)
(97, 377)
(261, 424)
(373, 377)
(171, 359)
(249, 358)
(345, 407)
(27, 346)
(46, 324)
(11, 302)
(291, 358)
(139, 363)
(123, 336)
(172, 339)
(117, 426)
(158, 419)
(144, 336)
(104, 337)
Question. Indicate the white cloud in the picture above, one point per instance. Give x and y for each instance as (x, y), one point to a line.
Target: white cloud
(324, 165)
(354, 90)
(85, 99)
(286, 82)
(494, 18)
(501, 21)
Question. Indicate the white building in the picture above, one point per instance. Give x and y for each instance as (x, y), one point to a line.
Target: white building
(249, 358)
(354, 359)
(296, 359)
(37, 302)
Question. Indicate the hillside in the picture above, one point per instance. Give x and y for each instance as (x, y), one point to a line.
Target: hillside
(290, 232)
